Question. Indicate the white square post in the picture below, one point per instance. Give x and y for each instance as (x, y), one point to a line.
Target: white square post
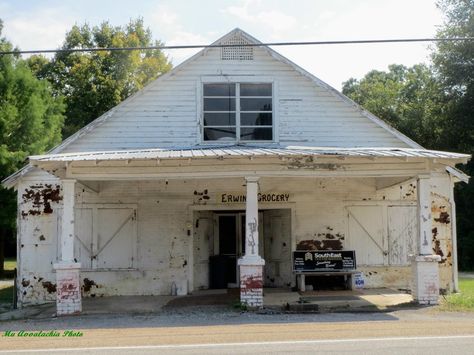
(251, 264)
(425, 271)
(68, 287)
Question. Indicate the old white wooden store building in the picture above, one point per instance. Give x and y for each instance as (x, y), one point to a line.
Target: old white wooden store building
(215, 173)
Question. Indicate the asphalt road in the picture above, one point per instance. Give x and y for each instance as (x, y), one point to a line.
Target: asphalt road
(402, 332)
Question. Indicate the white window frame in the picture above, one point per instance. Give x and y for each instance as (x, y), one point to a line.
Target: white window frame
(220, 79)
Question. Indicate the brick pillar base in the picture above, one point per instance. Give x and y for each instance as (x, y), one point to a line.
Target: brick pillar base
(251, 282)
(68, 288)
(425, 273)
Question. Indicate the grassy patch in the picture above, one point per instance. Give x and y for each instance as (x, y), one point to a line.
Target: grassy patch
(9, 264)
(462, 301)
(6, 294)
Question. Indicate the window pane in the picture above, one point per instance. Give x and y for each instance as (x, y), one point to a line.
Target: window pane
(255, 89)
(219, 134)
(224, 104)
(256, 119)
(219, 89)
(219, 119)
(256, 104)
(257, 134)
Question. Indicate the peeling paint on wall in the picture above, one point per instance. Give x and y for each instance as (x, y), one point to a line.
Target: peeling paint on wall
(201, 197)
(39, 199)
(323, 241)
(310, 163)
(49, 286)
(441, 231)
(88, 284)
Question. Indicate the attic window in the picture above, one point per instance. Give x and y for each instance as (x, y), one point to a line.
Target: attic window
(238, 112)
(236, 52)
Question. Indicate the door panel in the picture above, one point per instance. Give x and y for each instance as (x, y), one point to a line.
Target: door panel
(367, 234)
(402, 229)
(83, 243)
(116, 237)
(203, 248)
(277, 247)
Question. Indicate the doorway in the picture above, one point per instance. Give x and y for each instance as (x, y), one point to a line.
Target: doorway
(219, 241)
(229, 246)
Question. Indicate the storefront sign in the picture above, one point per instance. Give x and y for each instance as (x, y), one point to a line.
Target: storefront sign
(272, 197)
(324, 260)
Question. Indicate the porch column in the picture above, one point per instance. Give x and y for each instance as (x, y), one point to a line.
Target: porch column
(425, 270)
(251, 264)
(68, 288)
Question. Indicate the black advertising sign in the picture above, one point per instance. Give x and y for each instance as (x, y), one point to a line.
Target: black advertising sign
(324, 260)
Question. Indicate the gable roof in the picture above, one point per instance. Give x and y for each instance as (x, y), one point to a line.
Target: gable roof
(12, 179)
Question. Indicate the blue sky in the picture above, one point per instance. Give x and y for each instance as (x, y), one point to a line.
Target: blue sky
(42, 24)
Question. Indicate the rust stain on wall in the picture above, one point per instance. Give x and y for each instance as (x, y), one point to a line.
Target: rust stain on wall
(41, 198)
(49, 286)
(88, 285)
(253, 282)
(309, 245)
(441, 238)
(443, 218)
(332, 245)
(437, 246)
(323, 241)
(310, 163)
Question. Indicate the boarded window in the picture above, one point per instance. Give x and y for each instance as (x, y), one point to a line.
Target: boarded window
(402, 229)
(366, 234)
(105, 236)
(382, 235)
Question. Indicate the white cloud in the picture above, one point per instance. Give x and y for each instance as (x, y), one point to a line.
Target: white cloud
(168, 25)
(277, 22)
(43, 29)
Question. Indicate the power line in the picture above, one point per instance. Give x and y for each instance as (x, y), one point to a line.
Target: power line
(195, 46)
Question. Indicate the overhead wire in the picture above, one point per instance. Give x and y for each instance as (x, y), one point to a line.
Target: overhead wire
(197, 46)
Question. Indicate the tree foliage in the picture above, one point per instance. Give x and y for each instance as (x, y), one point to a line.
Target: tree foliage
(93, 83)
(31, 120)
(454, 64)
(410, 99)
(30, 117)
(434, 105)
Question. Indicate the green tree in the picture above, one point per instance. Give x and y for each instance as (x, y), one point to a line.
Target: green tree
(454, 63)
(31, 120)
(93, 83)
(434, 105)
(410, 99)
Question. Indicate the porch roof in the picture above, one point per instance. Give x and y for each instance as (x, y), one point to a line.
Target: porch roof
(247, 151)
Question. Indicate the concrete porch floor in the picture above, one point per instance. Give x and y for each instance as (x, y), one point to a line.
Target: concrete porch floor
(274, 299)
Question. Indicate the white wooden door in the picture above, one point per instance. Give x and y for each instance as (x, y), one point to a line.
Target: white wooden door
(402, 229)
(367, 235)
(115, 237)
(203, 249)
(277, 255)
(83, 243)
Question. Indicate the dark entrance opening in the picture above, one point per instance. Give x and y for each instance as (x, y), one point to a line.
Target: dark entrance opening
(223, 265)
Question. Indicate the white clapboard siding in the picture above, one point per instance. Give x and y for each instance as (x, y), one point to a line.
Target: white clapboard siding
(165, 114)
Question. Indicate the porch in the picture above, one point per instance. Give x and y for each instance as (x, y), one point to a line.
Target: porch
(159, 244)
(210, 301)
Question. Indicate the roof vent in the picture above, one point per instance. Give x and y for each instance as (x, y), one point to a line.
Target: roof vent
(236, 52)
